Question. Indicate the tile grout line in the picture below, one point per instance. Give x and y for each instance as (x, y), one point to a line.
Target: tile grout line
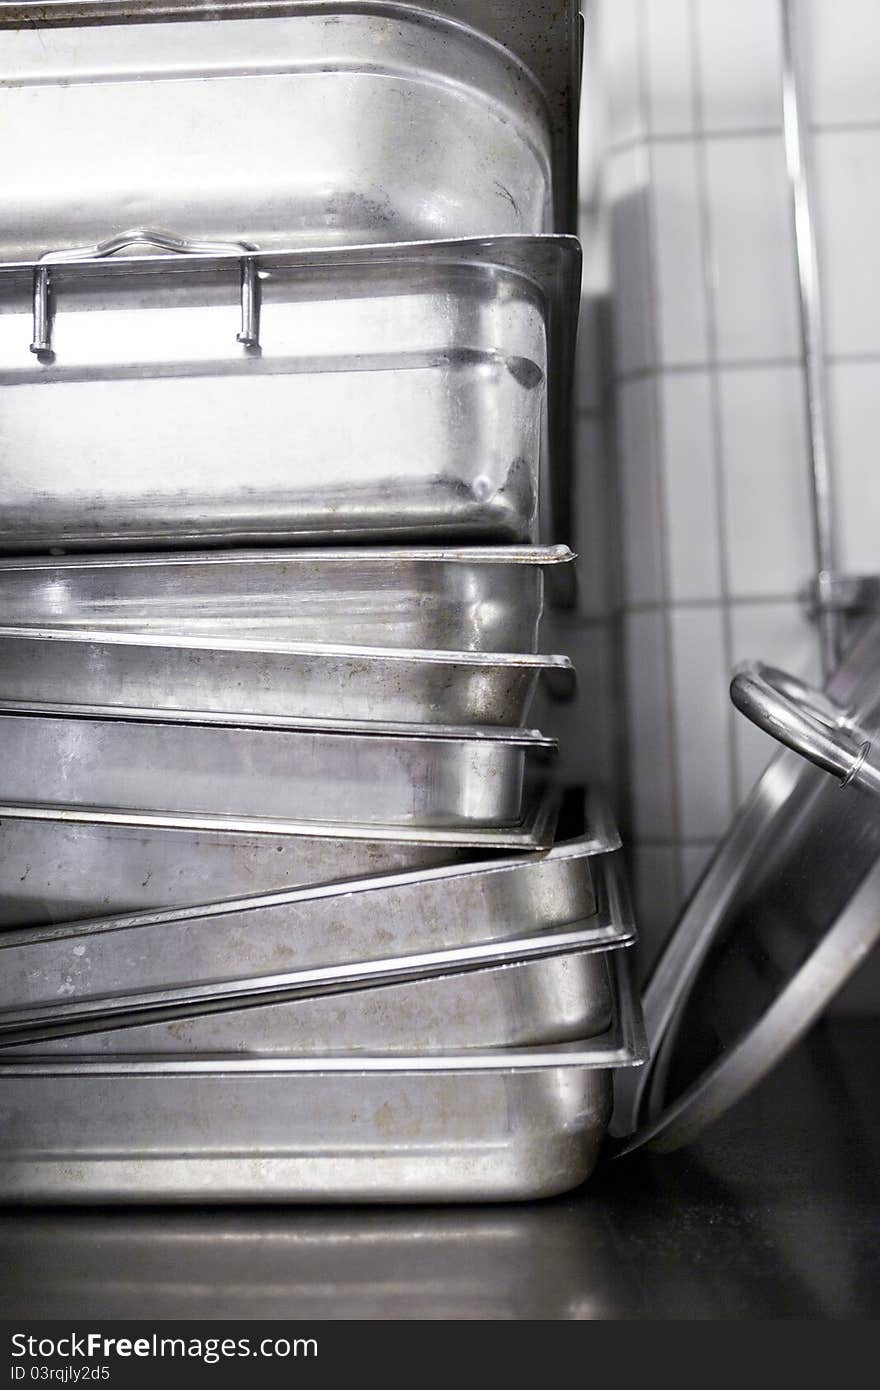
(747, 364)
(757, 132)
(732, 602)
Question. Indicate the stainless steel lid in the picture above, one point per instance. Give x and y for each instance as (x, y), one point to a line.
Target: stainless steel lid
(786, 912)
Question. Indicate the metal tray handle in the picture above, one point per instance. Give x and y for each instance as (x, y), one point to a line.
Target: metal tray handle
(806, 720)
(159, 240)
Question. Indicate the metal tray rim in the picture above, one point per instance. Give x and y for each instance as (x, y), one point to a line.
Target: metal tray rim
(356, 554)
(600, 838)
(101, 1013)
(622, 1045)
(507, 251)
(179, 641)
(534, 831)
(413, 733)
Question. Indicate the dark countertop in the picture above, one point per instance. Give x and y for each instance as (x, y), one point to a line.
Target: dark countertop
(775, 1213)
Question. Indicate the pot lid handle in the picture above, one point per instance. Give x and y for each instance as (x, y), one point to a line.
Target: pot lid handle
(805, 720)
(820, 730)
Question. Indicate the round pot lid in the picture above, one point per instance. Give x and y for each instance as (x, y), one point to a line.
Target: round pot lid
(785, 913)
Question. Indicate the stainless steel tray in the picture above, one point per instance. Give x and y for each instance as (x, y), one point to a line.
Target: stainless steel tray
(60, 865)
(384, 391)
(480, 599)
(304, 938)
(57, 866)
(493, 1125)
(349, 124)
(294, 680)
(270, 774)
(552, 999)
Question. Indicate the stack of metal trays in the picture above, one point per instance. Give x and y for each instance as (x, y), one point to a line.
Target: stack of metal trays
(292, 906)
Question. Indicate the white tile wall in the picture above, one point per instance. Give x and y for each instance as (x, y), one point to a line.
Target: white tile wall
(766, 493)
(641, 507)
(649, 726)
(841, 43)
(682, 328)
(701, 712)
(738, 43)
(656, 891)
(847, 164)
(690, 486)
(854, 389)
(668, 68)
(756, 308)
(593, 518)
(627, 191)
(616, 29)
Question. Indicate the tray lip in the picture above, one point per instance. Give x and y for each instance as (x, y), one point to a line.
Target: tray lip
(600, 838)
(532, 555)
(534, 831)
(594, 935)
(82, 14)
(257, 646)
(518, 253)
(621, 1045)
(251, 723)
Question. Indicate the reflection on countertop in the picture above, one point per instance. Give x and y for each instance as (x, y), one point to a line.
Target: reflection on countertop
(775, 1213)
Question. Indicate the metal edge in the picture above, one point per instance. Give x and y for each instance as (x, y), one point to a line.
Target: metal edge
(593, 844)
(533, 832)
(793, 1012)
(549, 263)
(554, 69)
(538, 555)
(412, 733)
(252, 646)
(622, 1045)
(71, 1017)
(679, 964)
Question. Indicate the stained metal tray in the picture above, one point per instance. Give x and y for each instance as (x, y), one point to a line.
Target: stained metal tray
(294, 680)
(549, 999)
(397, 391)
(248, 774)
(471, 598)
(284, 128)
(60, 865)
(286, 946)
(485, 1125)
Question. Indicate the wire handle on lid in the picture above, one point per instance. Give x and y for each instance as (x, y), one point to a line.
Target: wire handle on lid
(159, 240)
(805, 720)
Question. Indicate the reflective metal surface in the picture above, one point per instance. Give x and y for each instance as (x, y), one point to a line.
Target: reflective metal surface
(495, 1124)
(54, 868)
(123, 1137)
(283, 129)
(177, 954)
(813, 347)
(248, 775)
(398, 391)
(295, 680)
(771, 1214)
(556, 999)
(479, 599)
(785, 913)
